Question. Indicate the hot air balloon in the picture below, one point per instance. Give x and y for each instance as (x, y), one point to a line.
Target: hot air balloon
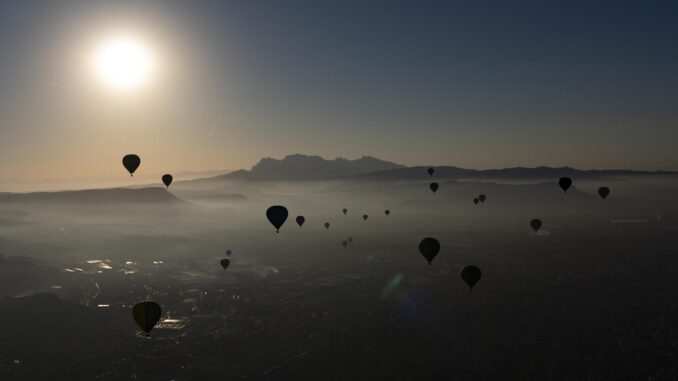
(365, 217)
(434, 187)
(482, 198)
(565, 183)
(131, 163)
(300, 220)
(167, 179)
(146, 315)
(430, 171)
(224, 263)
(429, 248)
(536, 224)
(228, 252)
(344, 210)
(476, 201)
(604, 192)
(350, 239)
(327, 225)
(277, 215)
(344, 243)
(471, 275)
(387, 212)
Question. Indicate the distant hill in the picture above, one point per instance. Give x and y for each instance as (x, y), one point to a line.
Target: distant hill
(517, 173)
(304, 167)
(95, 196)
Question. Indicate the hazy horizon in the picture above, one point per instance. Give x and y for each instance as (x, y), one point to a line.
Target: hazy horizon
(142, 178)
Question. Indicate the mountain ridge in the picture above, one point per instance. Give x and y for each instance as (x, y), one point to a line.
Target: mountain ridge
(313, 167)
(308, 167)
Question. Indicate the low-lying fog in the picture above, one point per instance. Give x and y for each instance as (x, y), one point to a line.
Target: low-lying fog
(104, 250)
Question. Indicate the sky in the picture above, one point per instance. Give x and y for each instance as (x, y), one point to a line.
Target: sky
(476, 84)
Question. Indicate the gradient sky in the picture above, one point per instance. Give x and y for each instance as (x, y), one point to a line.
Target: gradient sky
(477, 84)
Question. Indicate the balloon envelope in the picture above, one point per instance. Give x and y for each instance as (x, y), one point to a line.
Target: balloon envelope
(228, 252)
(387, 212)
(536, 224)
(365, 217)
(300, 220)
(604, 192)
(565, 183)
(476, 201)
(224, 263)
(277, 215)
(429, 248)
(327, 225)
(131, 163)
(350, 239)
(430, 171)
(167, 179)
(482, 198)
(434, 187)
(146, 315)
(344, 210)
(471, 275)
(344, 243)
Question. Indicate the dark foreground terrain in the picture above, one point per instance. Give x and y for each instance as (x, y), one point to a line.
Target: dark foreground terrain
(591, 297)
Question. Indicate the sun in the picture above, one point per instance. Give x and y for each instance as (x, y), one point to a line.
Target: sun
(123, 63)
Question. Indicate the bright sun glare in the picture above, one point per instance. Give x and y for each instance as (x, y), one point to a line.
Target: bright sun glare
(123, 63)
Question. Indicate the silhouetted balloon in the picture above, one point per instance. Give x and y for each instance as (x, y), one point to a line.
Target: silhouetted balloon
(536, 224)
(327, 225)
(344, 210)
(350, 239)
(482, 198)
(365, 217)
(146, 315)
(277, 215)
(300, 220)
(387, 212)
(344, 243)
(430, 171)
(471, 275)
(429, 248)
(434, 187)
(228, 252)
(131, 163)
(565, 183)
(476, 201)
(604, 192)
(167, 179)
(224, 263)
